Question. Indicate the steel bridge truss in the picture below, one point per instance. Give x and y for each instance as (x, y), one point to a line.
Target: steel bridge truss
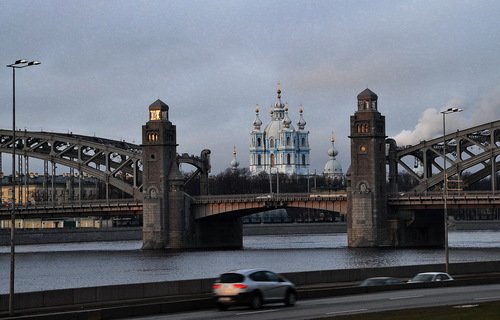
(474, 150)
(117, 163)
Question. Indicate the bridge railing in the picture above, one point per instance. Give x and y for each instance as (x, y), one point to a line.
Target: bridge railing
(439, 194)
(39, 205)
(268, 197)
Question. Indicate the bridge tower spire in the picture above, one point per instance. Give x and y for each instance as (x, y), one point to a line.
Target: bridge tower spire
(367, 206)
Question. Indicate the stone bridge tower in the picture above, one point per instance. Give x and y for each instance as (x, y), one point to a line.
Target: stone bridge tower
(168, 222)
(163, 206)
(367, 203)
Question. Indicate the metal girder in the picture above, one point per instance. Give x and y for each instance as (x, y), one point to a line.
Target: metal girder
(474, 147)
(116, 162)
(202, 165)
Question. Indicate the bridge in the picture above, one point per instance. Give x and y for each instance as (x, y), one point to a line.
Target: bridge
(174, 219)
(475, 148)
(202, 206)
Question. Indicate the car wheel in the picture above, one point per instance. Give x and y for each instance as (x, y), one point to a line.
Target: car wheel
(222, 307)
(290, 298)
(256, 301)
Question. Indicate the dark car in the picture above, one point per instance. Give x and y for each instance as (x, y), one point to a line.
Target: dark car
(253, 288)
(379, 281)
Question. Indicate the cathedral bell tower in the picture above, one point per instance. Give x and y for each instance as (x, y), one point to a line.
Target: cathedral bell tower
(367, 208)
(160, 176)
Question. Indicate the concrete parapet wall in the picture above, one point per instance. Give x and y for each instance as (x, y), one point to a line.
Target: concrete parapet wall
(38, 236)
(95, 296)
(105, 295)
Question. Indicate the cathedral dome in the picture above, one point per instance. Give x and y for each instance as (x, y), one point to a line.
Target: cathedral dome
(234, 163)
(333, 168)
(257, 122)
(332, 152)
(273, 129)
(302, 123)
(279, 119)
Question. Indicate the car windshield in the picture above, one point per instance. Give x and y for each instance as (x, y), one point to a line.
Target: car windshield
(377, 282)
(422, 277)
(231, 278)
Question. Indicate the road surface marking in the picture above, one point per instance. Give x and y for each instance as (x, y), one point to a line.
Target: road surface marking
(407, 297)
(347, 311)
(254, 312)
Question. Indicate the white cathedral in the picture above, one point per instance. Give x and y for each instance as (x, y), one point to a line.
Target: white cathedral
(279, 147)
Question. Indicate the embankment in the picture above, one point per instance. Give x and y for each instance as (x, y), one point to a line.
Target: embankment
(38, 236)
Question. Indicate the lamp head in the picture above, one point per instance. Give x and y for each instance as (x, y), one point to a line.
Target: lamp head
(451, 110)
(20, 61)
(33, 63)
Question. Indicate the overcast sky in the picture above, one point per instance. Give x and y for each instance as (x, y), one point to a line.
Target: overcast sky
(212, 62)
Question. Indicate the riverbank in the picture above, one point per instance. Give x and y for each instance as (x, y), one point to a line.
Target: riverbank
(39, 236)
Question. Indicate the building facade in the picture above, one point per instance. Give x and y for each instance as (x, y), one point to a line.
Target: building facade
(34, 188)
(279, 147)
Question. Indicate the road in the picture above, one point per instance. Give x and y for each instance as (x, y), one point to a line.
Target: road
(355, 304)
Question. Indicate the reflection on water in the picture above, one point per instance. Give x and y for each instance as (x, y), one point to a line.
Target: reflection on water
(54, 266)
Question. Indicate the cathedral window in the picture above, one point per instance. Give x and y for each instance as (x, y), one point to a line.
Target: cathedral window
(287, 141)
(288, 159)
(259, 141)
(272, 160)
(303, 159)
(259, 160)
(303, 142)
(271, 143)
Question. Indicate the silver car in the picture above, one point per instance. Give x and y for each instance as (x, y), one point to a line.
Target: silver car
(430, 277)
(253, 288)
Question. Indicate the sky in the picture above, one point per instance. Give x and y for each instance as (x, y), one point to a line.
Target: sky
(212, 61)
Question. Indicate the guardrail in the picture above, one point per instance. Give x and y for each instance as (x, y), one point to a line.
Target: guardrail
(435, 200)
(259, 197)
(439, 194)
(115, 205)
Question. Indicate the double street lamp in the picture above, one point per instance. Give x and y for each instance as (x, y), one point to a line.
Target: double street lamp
(19, 64)
(445, 187)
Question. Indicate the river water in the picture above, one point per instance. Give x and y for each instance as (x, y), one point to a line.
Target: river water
(72, 265)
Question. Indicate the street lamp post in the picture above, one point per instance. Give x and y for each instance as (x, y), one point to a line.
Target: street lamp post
(445, 187)
(19, 64)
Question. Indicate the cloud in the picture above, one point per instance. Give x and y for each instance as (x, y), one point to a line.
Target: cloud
(103, 63)
(430, 123)
(428, 126)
